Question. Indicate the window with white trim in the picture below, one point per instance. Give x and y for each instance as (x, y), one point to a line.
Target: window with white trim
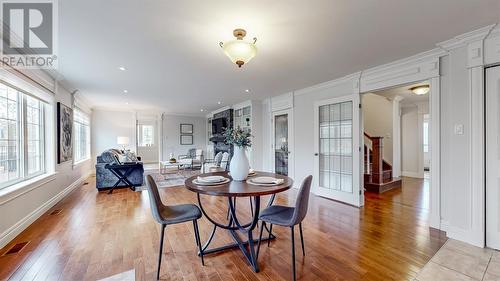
(22, 138)
(146, 135)
(426, 135)
(81, 125)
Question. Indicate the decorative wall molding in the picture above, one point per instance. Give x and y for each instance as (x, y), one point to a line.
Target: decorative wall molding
(328, 84)
(492, 46)
(435, 151)
(466, 38)
(474, 41)
(21, 225)
(477, 155)
(282, 102)
(405, 71)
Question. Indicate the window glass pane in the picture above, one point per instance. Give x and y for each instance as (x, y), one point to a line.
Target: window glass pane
(81, 128)
(335, 148)
(33, 136)
(21, 136)
(426, 136)
(146, 135)
(9, 136)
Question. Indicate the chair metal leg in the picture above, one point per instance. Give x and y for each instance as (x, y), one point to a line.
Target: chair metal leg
(302, 239)
(161, 250)
(270, 233)
(198, 240)
(293, 251)
(260, 239)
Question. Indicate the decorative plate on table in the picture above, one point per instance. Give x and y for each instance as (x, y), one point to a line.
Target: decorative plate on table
(265, 181)
(211, 180)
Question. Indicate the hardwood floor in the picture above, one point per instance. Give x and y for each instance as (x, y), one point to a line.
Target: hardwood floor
(97, 235)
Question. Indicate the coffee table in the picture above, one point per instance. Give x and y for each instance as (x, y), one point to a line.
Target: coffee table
(167, 168)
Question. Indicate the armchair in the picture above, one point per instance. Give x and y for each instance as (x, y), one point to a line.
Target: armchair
(193, 158)
(218, 164)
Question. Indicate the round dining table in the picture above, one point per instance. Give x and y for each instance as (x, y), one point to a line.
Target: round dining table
(232, 190)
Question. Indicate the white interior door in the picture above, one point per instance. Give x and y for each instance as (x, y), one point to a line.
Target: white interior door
(282, 126)
(337, 154)
(493, 157)
(147, 142)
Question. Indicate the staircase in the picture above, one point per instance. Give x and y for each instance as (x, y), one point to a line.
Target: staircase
(377, 172)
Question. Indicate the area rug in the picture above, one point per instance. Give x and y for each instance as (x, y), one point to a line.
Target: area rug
(170, 179)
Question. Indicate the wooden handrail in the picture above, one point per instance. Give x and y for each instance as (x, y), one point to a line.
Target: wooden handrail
(370, 137)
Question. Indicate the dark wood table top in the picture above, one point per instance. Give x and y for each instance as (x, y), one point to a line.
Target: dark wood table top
(238, 188)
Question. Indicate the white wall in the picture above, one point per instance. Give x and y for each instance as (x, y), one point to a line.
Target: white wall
(171, 134)
(19, 212)
(266, 129)
(410, 144)
(377, 120)
(107, 126)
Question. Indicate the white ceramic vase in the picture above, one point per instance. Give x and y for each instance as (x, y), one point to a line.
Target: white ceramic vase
(239, 165)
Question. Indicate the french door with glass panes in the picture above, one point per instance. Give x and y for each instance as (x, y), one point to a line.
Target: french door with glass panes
(336, 159)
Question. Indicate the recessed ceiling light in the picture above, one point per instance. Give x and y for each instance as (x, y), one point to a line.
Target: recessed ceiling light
(126, 103)
(247, 90)
(122, 68)
(219, 102)
(201, 110)
(125, 91)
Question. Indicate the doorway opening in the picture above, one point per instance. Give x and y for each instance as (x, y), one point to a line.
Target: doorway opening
(147, 143)
(396, 145)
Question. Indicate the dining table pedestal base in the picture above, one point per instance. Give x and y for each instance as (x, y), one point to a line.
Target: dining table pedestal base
(238, 189)
(244, 246)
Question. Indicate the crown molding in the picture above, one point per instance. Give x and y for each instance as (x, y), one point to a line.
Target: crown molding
(419, 67)
(329, 84)
(466, 38)
(432, 54)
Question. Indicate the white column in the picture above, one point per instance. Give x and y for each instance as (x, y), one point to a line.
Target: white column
(396, 136)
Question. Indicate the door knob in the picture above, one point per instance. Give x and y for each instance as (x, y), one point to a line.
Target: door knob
(316, 154)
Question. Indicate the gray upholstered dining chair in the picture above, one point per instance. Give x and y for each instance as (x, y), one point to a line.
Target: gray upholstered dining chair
(174, 214)
(288, 216)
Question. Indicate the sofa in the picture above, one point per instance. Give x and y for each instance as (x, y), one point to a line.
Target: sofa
(105, 179)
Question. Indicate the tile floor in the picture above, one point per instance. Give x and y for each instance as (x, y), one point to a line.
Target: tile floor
(460, 261)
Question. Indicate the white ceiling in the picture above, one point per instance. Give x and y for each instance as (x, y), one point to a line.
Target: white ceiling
(409, 98)
(175, 64)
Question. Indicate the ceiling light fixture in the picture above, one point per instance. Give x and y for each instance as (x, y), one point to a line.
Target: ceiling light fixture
(420, 90)
(201, 110)
(239, 51)
(219, 102)
(125, 91)
(247, 91)
(122, 68)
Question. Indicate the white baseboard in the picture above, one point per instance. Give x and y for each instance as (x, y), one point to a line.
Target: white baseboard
(21, 225)
(411, 174)
(461, 234)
